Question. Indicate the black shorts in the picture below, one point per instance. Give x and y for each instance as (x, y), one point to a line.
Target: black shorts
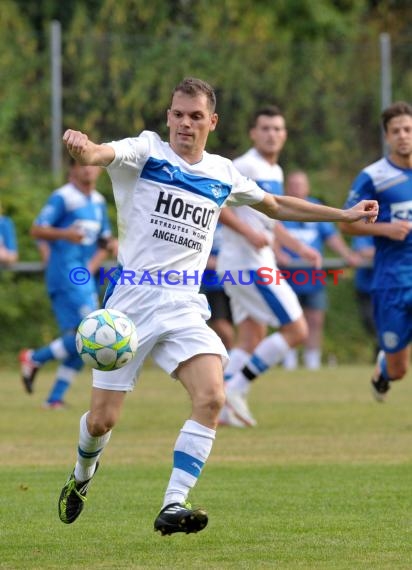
(219, 304)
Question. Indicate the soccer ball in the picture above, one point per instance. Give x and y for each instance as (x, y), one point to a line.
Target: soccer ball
(106, 339)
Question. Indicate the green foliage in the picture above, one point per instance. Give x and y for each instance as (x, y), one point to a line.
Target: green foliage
(25, 314)
(122, 59)
(319, 61)
(345, 339)
(23, 87)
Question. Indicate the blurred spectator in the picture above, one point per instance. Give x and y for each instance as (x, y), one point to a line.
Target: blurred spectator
(8, 242)
(311, 292)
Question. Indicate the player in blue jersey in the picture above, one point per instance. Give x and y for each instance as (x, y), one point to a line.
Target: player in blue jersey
(75, 226)
(310, 285)
(8, 242)
(168, 197)
(389, 181)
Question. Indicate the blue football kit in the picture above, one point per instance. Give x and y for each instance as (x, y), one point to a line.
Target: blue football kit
(67, 206)
(391, 186)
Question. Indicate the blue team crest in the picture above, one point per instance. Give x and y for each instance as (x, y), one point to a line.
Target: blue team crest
(390, 339)
(216, 190)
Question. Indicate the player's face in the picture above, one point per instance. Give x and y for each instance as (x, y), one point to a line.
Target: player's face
(190, 121)
(399, 137)
(269, 136)
(84, 177)
(297, 185)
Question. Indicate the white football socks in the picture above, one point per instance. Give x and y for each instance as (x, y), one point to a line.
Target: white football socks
(237, 359)
(290, 362)
(89, 450)
(269, 352)
(191, 451)
(58, 349)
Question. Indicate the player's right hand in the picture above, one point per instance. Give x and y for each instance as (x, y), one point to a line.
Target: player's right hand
(398, 230)
(76, 142)
(258, 239)
(73, 234)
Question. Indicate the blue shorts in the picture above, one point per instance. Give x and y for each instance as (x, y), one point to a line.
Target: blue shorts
(393, 318)
(314, 300)
(70, 307)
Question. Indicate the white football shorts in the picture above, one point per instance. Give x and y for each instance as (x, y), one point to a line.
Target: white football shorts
(272, 304)
(171, 328)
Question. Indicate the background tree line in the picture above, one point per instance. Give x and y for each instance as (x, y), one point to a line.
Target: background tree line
(319, 61)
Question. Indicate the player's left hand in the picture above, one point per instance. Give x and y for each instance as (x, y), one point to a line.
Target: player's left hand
(365, 209)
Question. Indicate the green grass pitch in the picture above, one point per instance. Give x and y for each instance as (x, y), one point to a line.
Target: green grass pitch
(323, 482)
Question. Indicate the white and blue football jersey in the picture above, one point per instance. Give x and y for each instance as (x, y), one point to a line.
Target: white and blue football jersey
(237, 252)
(164, 201)
(65, 207)
(268, 176)
(391, 186)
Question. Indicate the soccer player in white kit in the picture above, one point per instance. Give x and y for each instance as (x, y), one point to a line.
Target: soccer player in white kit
(248, 240)
(168, 197)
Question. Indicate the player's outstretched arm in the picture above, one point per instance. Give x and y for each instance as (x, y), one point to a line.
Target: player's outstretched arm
(85, 151)
(296, 209)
